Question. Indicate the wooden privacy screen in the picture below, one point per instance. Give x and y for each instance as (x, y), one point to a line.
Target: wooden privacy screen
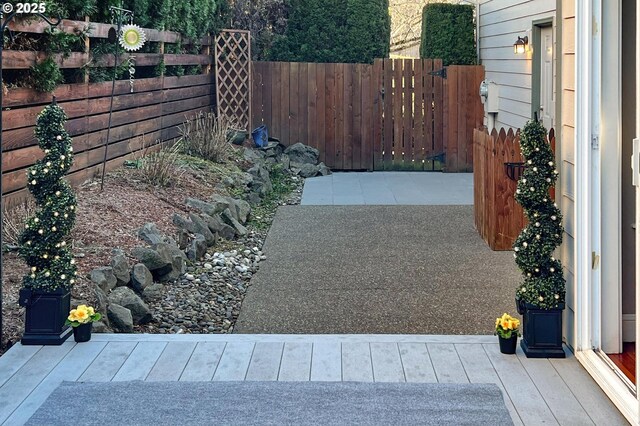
(328, 106)
(498, 217)
(233, 76)
(397, 114)
(150, 114)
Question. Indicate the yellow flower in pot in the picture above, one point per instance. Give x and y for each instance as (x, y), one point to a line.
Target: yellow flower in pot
(81, 319)
(507, 331)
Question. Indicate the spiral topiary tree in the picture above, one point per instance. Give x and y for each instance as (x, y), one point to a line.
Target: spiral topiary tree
(43, 243)
(543, 285)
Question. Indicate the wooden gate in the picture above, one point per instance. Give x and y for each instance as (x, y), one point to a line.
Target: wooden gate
(396, 114)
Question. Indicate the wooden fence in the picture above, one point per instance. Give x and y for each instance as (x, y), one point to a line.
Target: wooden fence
(142, 118)
(397, 114)
(499, 219)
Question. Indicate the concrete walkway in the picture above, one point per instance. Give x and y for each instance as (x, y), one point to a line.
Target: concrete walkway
(378, 269)
(390, 188)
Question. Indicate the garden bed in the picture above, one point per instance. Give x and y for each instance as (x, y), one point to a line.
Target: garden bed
(111, 218)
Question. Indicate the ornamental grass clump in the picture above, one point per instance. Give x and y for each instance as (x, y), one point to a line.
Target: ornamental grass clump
(543, 285)
(43, 242)
(507, 326)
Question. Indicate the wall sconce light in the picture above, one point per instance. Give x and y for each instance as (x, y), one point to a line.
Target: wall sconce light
(520, 46)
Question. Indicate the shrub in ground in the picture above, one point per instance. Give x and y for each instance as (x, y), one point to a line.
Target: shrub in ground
(448, 33)
(159, 168)
(207, 136)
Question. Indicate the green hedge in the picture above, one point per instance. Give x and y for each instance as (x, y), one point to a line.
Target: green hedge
(193, 18)
(448, 33)
(335, 31)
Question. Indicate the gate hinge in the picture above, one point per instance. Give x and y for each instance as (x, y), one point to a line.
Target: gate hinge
(440, 73)
(595, 141)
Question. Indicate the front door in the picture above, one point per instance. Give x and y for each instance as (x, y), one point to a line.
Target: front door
(547, 104)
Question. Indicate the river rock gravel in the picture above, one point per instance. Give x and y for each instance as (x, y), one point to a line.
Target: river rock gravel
(208, 297)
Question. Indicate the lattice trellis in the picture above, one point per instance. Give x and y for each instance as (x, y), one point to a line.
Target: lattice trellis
(233, 75)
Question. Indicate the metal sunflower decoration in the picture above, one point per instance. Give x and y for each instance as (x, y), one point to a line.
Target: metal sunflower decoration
(131, 39)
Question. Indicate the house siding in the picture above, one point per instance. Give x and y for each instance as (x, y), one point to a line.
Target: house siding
(501, 22)
(567, 160)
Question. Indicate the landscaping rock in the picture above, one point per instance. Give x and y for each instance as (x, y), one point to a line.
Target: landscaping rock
(102, 300)
(176, 258)
(104, 278)
(125, 297)
(261, 180)
(307, 170)
(141, 277)
(183, 239)
(211, 209)
(120, 266)
(202, 228)
(220, 201)
(218, 226)
(150, 233)
(198, 248)
(153, 292)
(227, 216)
(253, 199)
(323, 169)
(301, 153)
(253, 155)
(243, 209)
(285, 160)
(273, 149)
(157, 264)
(120, 317)
(100, 327)
(195, 225)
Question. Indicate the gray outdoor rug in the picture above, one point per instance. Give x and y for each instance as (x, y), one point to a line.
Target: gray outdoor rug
(273, 403)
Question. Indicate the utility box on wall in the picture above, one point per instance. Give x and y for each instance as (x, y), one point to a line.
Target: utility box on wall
(489, 96)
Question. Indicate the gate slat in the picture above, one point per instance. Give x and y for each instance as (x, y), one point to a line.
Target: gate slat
(418, 128)
(320, 117)
(349, 117)
(311, 112)
(330, 111)
(276, 100)
(377, 140)
(267, 90)
(357, 116)
(408, 154)
(452, 103)
(256, 94)
(367, 122)
(397, 113)
(303, 104)
(439, 124)
(388, 114)
(428, 114)
(340, 112)
(294, 98)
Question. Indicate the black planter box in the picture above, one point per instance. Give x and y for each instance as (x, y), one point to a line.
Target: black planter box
(46, 312)
(541, 331)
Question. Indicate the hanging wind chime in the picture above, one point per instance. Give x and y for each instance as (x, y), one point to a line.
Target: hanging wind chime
(131, 38)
